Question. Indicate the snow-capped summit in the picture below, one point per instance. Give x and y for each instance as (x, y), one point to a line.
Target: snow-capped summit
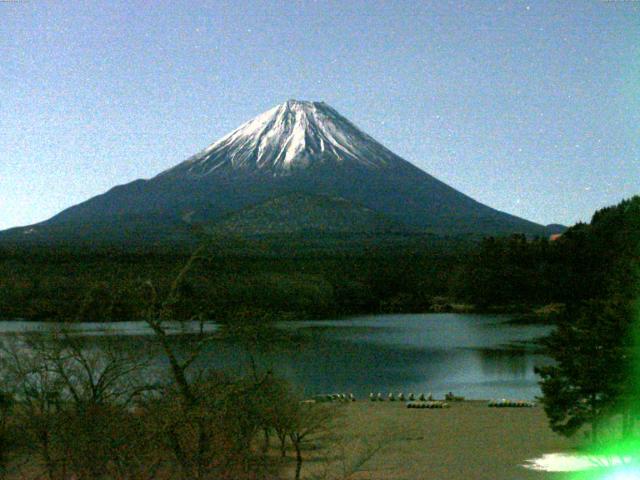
(292, 135)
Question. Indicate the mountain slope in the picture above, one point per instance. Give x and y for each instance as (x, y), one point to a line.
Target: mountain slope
(294, 147)
(311, 214)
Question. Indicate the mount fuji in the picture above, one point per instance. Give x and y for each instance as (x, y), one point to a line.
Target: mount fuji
(300, 166)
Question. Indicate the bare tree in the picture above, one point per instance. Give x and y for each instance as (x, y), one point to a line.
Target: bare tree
(309, 422)
(74, 401)
(217, 417)
(30, 380)
(242, 408)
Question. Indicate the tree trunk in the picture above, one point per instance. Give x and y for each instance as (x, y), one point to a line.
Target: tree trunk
(283, 445)
(203, 444)
(298, 459)
(48, 461)
(594, 420)
(180, 455)
(267, 441)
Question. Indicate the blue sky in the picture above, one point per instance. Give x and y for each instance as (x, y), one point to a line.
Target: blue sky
(529, 107)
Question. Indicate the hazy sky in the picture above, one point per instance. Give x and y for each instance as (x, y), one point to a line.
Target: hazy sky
(529, 107)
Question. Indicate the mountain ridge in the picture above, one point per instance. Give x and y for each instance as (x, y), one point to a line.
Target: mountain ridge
(297, 146)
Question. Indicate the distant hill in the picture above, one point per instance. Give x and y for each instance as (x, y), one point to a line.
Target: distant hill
(305, 213)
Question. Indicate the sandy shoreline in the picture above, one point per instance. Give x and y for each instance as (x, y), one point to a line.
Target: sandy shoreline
(468, 441)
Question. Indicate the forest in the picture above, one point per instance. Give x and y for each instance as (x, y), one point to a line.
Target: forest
(237, 278)
(592, 386)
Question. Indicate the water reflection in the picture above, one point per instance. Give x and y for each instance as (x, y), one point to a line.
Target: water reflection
(467, 354)
(501, 363)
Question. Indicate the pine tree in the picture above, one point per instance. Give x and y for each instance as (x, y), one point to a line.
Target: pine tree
(592, 348)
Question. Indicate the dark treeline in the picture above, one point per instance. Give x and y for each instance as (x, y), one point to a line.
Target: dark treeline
(108, 285)
(237, 278)
(596, 343)
(588, 261)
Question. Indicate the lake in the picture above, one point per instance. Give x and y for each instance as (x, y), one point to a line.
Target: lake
(477, 356)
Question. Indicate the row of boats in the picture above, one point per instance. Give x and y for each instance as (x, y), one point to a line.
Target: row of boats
(420, 401)
(400, 397)
(511, 403)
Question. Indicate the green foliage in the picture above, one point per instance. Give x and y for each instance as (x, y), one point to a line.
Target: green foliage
(287, 280)
(99, 286)
(593, 349)
(595, 342)
(508, 270)
(598, 260)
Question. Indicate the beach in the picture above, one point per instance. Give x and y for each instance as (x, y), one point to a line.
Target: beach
(468, 441)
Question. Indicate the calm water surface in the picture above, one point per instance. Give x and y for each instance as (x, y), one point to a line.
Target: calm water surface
(478, 356)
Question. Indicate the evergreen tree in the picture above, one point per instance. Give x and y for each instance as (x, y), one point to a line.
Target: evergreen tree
(596, 342)
(592, 348)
